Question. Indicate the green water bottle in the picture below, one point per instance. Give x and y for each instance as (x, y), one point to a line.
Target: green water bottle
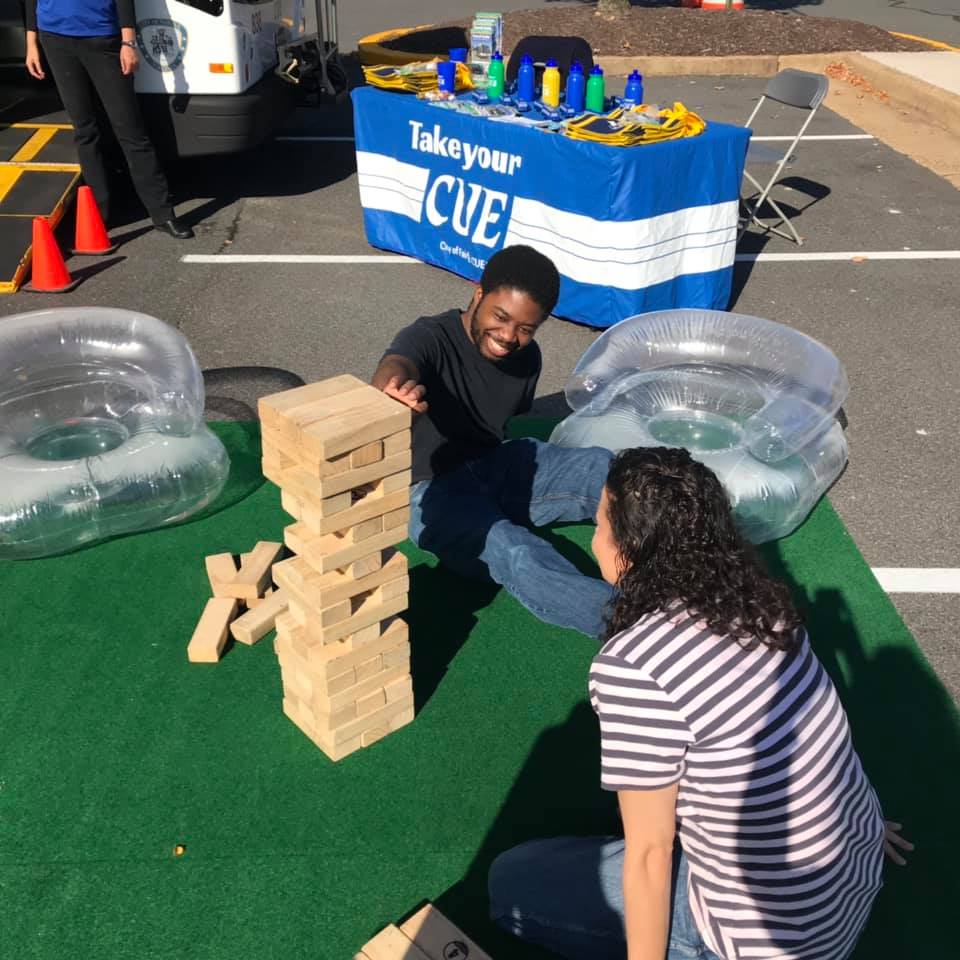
(495, 77)
(595, 91)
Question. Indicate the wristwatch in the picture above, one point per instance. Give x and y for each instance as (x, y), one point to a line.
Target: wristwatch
(129, 43)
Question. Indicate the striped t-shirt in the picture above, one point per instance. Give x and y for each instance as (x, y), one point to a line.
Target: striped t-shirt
(782, 830)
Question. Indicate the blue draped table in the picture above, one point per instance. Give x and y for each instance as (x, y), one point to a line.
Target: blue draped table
(631, 229)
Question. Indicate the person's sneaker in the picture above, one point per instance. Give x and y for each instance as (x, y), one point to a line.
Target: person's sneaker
(175, 228)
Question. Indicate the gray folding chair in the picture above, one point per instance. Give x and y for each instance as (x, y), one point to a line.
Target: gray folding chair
(793, 88)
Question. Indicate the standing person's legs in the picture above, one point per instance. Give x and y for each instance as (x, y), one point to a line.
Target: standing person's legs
(566, 894)
(456, 517)
(79, 100)
(101, 58)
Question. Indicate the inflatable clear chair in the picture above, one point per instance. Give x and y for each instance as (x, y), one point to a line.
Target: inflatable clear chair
(752, 399)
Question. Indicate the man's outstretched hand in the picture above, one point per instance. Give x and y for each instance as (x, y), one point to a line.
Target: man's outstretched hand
(410, 393)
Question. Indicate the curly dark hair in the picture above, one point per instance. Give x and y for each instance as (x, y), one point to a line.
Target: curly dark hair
(522, 268)
(673, 525)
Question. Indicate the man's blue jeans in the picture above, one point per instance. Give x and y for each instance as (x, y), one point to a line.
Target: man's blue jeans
(475, 519)
(566, 894)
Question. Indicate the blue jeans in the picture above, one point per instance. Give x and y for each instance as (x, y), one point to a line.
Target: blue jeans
(566, 894)
(475, 520)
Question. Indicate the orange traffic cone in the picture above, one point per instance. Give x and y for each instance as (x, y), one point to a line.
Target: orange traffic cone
(49, 273)
(91, 237)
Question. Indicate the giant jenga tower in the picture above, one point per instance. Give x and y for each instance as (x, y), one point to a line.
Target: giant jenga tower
(340, 452)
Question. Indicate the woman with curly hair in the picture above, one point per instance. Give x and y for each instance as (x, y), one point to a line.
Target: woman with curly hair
(719, 729)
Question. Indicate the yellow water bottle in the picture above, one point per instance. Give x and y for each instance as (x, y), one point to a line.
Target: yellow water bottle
(551, 84)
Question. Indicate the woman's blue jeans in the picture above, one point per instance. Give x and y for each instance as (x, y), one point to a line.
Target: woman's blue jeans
(476, 520)
(566, 894)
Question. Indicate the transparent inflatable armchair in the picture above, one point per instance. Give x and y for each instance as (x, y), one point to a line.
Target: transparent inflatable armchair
(752, 399)
(101, 429)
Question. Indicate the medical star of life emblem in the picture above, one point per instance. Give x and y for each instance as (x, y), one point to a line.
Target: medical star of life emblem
(162, 42)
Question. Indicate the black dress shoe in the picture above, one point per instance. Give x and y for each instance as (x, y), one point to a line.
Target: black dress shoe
(175, 228)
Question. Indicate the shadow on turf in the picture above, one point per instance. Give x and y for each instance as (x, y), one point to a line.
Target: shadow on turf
(906, 732)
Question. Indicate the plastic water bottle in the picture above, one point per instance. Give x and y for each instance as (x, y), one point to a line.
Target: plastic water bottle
(495, 77)
(576, 87)
(526, 79)
(551, 84)
(595, 90)
(633, 92)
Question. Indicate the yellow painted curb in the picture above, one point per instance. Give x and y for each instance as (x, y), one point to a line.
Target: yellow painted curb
(374, 54)
(939, 44)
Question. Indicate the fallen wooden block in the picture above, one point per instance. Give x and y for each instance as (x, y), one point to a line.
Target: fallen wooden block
(210, 634)
(257, 622)
(253, 577)
(427, 935)
(220, 571)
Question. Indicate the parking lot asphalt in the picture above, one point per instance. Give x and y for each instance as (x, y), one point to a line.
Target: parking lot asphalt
(893, 323)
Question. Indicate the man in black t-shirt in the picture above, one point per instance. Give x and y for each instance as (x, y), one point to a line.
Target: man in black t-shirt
(464, 374)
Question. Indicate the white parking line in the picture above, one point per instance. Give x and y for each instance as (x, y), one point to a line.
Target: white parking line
(292, 258)
(861, 255)
(857, 255)
(918, 579)
(823, 136)
(305, 138)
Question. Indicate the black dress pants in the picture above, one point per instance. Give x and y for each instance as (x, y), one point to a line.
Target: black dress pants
(85, 68)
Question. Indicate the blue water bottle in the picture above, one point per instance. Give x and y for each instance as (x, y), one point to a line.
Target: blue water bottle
(633, 92)
(576, 87)
(526, 79)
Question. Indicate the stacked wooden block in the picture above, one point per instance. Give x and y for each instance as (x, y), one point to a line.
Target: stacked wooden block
(427, 935)
(340, 452)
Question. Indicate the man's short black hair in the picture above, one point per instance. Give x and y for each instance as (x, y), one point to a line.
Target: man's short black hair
(523, 268)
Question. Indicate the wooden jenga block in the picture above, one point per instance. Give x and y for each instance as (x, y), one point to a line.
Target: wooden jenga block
(396, 442)
(354, 423)
(402, 718)
(397, 656)
(396, 518)
(356, 727)
(393, 589)
(271, 407)
(432, 933)
(256, 603)
(365, 635)
(220, 570)
(365, 566)
(327, 661)
(330, 697)
(366, 611)
(397, 481)
(317, 591)
(370, 668)
(391, 944)
(398, 689)
(365, 530)
(333, 751)
(371, 736)
(259, 621)
(254, 575)
(333, 552)
(367, 454)
(329, 486)
(371, 701)
(210, 634)
(294, 422)
(375, 504)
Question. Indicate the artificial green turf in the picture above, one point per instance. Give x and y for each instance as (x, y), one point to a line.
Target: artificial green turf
(113, 749)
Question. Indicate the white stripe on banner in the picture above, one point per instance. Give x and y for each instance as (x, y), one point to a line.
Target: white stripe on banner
(391, 185)
(628, 254)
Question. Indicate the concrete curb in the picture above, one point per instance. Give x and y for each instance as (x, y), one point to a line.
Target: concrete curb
(910, 94)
